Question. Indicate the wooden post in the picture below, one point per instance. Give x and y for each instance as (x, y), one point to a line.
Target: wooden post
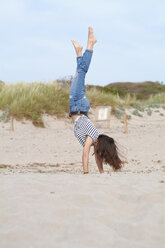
(125, 123)
(95, 120)
(12, 123)
(109, 118)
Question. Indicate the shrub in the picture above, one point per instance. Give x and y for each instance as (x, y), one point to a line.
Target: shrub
(154, 105)
(149, 112)
(118, 113)
(136, 112)
(4, 116)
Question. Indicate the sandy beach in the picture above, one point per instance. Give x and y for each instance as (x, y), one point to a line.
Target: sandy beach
(46, 201)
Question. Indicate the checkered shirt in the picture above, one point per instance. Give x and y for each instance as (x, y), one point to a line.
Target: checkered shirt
(83, 127)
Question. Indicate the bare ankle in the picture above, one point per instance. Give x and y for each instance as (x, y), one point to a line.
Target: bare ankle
(91, 39)
(90, 46)
(79, 52)
(78, 48)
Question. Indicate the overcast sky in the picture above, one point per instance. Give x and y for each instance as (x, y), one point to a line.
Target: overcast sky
(35, 39)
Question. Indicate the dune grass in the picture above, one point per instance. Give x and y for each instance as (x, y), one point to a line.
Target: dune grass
(31, 100)
(157, 99)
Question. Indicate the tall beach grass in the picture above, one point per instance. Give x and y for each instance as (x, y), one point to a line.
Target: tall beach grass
(31, 100)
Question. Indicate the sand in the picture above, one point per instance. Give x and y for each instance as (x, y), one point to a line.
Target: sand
(46, 201)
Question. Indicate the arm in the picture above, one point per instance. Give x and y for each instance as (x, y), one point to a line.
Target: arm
(99, 163)
(85, 155)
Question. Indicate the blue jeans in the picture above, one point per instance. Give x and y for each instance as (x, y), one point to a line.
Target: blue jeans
(78, 99)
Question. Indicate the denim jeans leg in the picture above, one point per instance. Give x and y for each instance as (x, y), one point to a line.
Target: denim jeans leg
(77, 90)
(85, 62)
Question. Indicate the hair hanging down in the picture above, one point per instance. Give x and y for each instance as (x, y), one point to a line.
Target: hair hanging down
(107, 150)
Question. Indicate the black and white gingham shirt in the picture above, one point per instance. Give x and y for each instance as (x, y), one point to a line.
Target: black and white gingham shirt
(83, 127)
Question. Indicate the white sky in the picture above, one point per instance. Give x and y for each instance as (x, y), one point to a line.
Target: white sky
(35, 39)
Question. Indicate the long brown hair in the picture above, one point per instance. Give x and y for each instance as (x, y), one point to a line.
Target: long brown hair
(107, 151)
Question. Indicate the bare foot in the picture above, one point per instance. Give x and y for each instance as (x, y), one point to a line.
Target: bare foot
(91, 39)
(77, 47)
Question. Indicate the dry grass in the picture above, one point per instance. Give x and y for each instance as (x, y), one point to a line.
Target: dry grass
(30, 101)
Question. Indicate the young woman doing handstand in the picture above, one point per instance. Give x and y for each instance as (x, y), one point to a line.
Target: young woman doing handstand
(105, 149)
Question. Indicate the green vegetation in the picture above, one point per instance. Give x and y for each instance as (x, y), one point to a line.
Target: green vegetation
(138, 106)
(31, 100)
(122, 109)
(118, 113)
(149, 112)
(154, 105)
(141, 90)
(4, 116)
(136, 112)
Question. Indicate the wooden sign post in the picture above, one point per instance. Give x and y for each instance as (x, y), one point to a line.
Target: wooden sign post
(103, 113)
(12, 123)
(125, 122)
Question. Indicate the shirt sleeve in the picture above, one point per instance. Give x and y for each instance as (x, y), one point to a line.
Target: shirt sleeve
(92, 131)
